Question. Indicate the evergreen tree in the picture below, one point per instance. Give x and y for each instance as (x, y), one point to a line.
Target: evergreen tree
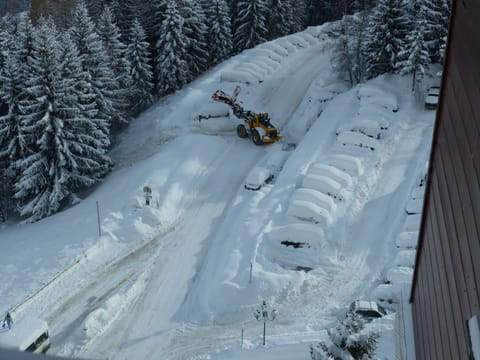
(195, 30)
(94, 60)
(79, 111)
(44, 178)
(299, 15)
(343, 56)
(414, 57)
(346, 341)
(5, 179)
(15, 142)
(386, 34)
(280, 14)
(110, 35)
(250, 29)
(436, 13)
(220, 42)
(171, 66)
(141, 72)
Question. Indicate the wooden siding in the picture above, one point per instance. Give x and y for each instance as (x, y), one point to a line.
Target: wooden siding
(446, 284)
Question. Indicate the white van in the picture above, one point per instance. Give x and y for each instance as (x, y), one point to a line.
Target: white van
(29, 334)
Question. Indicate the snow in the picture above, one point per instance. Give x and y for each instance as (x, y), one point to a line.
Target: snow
(181, 277)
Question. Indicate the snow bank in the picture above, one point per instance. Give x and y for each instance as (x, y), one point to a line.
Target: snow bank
(385, 101)
(297, 41)
(100, 319)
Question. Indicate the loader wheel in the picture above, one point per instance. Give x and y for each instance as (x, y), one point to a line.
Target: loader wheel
(242, 131)
(257, 140)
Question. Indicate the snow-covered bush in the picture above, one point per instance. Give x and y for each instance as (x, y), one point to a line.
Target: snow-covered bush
(346, 341)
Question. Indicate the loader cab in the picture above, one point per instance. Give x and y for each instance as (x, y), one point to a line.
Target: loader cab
(264, 119)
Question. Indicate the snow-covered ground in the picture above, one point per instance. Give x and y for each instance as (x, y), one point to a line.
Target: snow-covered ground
(181, 278)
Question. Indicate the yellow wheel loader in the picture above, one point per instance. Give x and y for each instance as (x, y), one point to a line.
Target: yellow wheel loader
(256, 125)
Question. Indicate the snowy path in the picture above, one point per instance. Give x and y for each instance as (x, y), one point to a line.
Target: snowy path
(151, 326)
(147, 323)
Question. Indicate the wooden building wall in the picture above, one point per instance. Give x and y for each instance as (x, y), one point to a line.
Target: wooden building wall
(446, 284)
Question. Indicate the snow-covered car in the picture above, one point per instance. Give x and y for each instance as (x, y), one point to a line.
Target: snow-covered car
(386, 101)
(405, 258)
(399, 275)
(414, 206)
(431, 100)
(368, 310)
(276, 160)
(365, 91)
(325, 185)
(308, 211)
(316, 197)
(418, 193)
(28, 334)
(212, 110)
(412, 222)
(371, 128)
(357, 139)
(407, 240)
(347, 163)
(333, 172)
(377, 113)
(257, 177)
(387, 294)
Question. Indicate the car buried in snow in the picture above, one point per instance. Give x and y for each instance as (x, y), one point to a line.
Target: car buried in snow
(258, 177)
(368, 310)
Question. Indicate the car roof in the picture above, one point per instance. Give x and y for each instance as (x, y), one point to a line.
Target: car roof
(23, 333)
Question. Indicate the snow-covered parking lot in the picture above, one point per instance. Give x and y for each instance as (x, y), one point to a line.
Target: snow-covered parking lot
(180, 278)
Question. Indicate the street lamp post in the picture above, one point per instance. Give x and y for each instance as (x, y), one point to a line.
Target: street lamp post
(264, 313)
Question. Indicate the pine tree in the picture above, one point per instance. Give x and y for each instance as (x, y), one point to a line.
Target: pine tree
(44, 179)
(436, 13)
(343, 56)
(414, 57)
(141, 73)
(280, 14)
(15, 142)
(5, 180)
(299, 15)
(94, 61)
(220, 42)
(171, 66)
(386, 34)
(88, 143)
(110, 35)
(346, 341)
(250, 29)
(195, 30)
